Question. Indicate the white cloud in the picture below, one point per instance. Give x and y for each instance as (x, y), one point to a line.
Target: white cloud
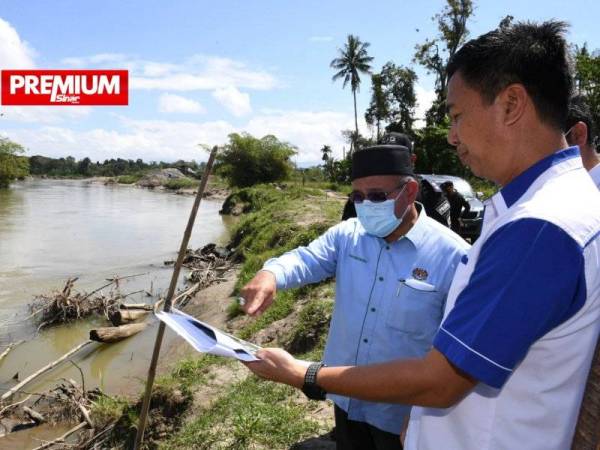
(236, 102)
(151, 140)
(14, 52)
(425, 99)
(321, 38)
(198, 72)
(307, 130)
(154, 140)
(169, 103)
(45, 114)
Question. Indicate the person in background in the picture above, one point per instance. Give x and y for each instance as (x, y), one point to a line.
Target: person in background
(392, 266)
(580, 131)
(458, 205)
(509, 363)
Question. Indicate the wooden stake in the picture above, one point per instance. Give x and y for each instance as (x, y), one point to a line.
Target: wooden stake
(44, 369)
(168, 300)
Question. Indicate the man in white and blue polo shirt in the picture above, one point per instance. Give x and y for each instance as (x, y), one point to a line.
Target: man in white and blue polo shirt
(393, 267)
(510, 360)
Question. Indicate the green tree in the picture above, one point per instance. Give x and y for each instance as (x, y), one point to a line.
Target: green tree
(12, 165)
(246, 160)
(434, 54)
(399, 85)
(378, 110)
(352, 61)
(587, 79)
(434, 154)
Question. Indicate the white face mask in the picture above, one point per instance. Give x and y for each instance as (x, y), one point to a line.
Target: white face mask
(379, 219)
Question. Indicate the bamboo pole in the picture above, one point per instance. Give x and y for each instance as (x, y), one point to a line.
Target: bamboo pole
(168, 300)
(44, 369)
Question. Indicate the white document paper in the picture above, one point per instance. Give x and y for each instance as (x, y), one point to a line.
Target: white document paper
(207, 339)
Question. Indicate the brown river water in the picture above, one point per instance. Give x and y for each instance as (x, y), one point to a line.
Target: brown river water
(54, 229)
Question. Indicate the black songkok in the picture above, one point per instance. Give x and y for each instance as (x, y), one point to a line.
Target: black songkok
(382, 160)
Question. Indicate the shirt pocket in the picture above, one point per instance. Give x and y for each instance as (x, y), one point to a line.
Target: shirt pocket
(417, 309)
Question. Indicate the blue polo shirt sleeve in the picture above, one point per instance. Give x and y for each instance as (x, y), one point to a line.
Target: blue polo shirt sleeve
(310, 264)
(529, 278)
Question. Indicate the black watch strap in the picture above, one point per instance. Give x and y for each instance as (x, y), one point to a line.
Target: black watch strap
(310, 387)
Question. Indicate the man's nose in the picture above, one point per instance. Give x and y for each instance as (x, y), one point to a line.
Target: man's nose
(452, 136)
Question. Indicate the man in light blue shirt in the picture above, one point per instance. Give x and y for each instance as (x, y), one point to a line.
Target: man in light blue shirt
(393, 266)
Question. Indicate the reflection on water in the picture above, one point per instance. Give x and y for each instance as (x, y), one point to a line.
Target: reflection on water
(51, 230)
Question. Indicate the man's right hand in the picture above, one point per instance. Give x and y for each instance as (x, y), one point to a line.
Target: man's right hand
(259, 293)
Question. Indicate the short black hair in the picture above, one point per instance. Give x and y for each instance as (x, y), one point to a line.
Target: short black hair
(579, 111)
(534, 55)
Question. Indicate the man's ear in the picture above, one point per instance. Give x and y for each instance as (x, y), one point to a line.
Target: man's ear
(513, 101)
(413, 190)
(578, 135)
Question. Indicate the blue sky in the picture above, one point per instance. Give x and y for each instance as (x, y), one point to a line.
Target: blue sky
(201, 70)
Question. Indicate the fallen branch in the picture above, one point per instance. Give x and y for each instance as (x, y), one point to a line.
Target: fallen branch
(143, 306)
(187, 292)
(14, 405)
(34, 415)
(8, 349)
(44, 369)
(62, 438)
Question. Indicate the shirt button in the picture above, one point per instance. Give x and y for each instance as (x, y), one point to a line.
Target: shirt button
(372, 309)
(380, 278)
(365, 340)
(387, 247)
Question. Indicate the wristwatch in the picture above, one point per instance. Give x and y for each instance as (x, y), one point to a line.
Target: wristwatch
(310, 387)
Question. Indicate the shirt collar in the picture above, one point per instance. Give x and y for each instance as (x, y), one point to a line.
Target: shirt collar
(418, 231)
(517, 187)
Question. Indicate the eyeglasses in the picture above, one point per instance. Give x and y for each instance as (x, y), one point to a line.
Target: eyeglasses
(373, 196)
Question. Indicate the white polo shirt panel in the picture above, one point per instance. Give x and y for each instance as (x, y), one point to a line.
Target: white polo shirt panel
(523, 316)
(595, 174)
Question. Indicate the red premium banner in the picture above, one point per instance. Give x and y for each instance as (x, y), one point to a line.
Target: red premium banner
(64, 87)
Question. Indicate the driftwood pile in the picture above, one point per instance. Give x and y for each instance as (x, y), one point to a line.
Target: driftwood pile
(208, 264)
(69, 305)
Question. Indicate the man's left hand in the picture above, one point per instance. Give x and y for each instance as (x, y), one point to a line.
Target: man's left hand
(278, 365)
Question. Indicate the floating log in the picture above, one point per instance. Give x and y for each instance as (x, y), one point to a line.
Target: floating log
(115, 334)
(44, 369)
(123, 316)
(143, 306)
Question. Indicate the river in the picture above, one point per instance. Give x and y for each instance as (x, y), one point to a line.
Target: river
(51, 230)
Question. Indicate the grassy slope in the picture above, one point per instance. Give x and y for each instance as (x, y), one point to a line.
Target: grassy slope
(247, 412)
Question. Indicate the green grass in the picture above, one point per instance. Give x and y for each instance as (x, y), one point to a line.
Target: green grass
(251, 414)
(273, 227)
(181, 183)
(107, 409)
(129, 179)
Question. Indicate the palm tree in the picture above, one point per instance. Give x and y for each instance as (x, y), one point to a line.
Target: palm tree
(352, 61)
